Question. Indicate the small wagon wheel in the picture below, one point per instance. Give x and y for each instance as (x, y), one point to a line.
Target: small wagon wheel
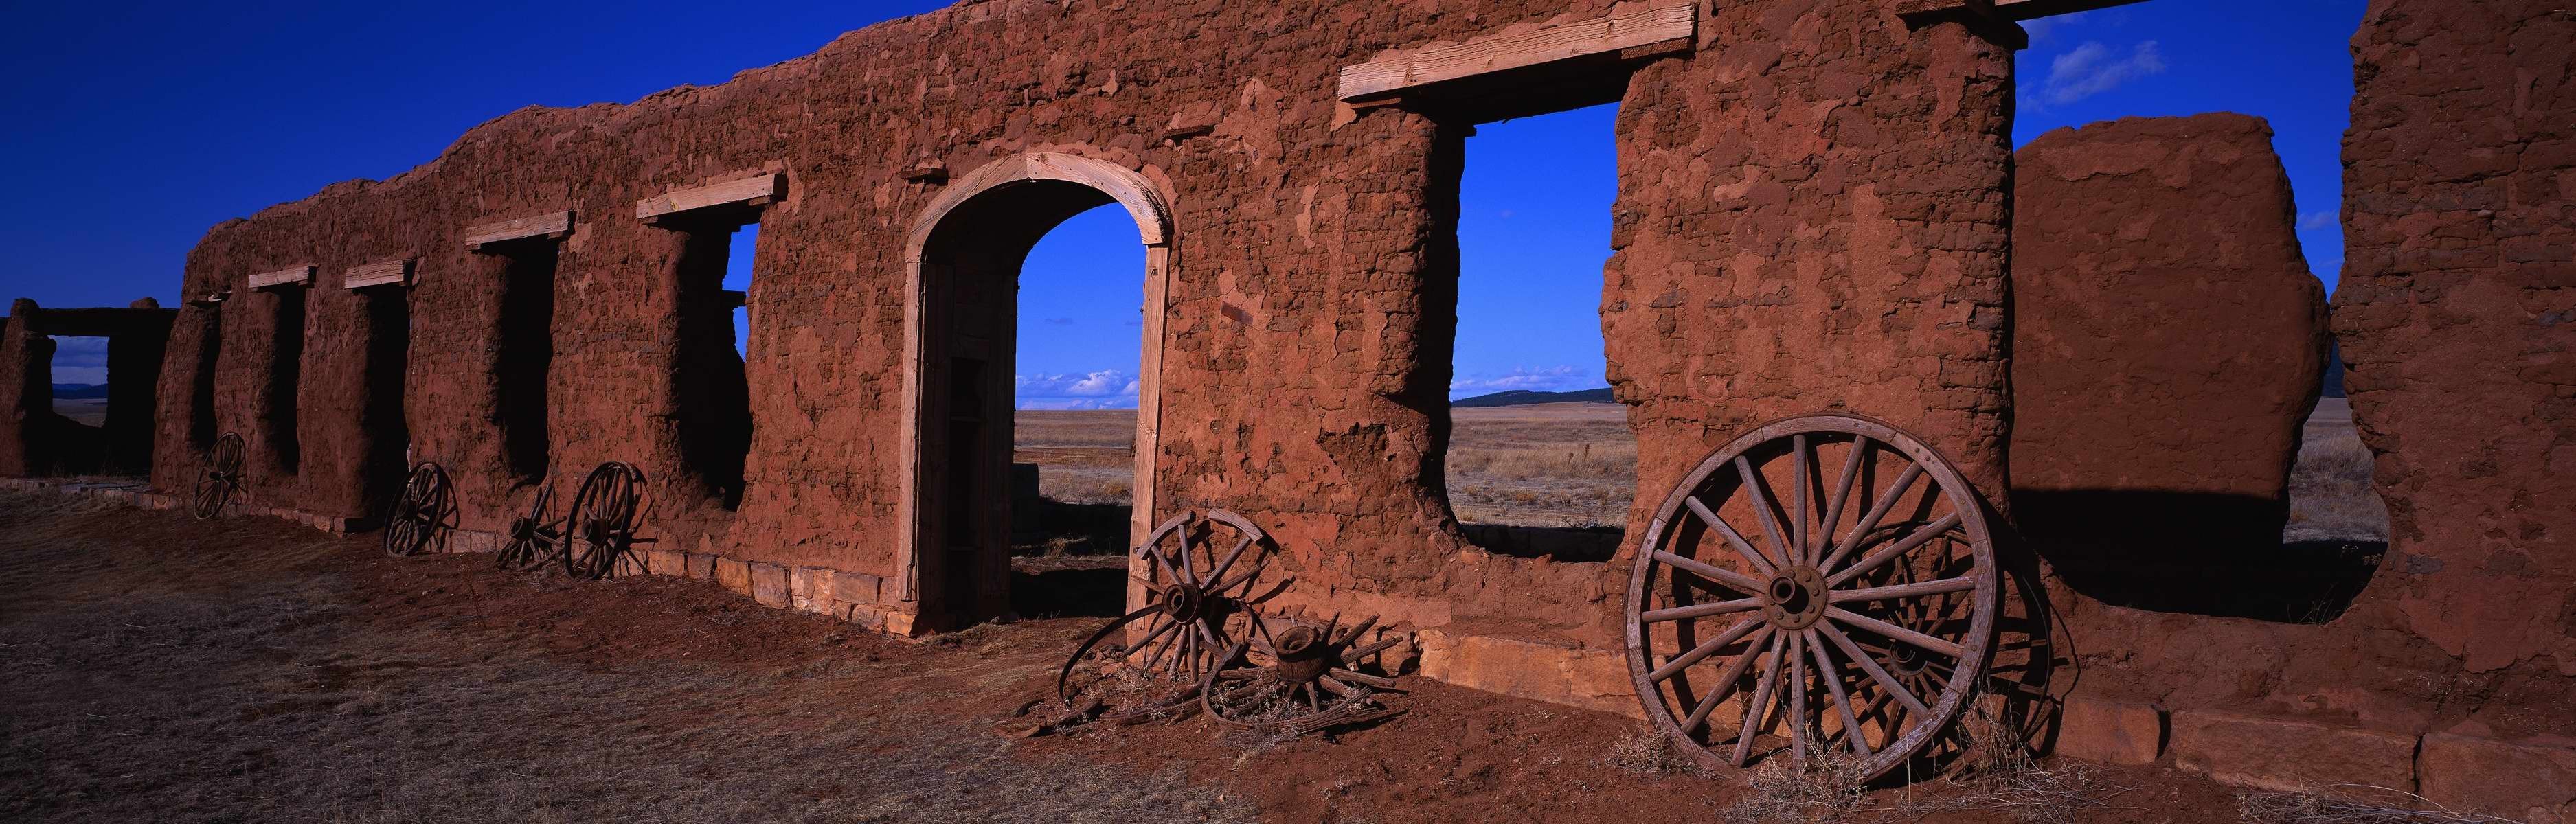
(533, 541)
(1850, 613)
(219, 477)
(1301, 679)
(1207, 568)
(601, 525)
(426, 508)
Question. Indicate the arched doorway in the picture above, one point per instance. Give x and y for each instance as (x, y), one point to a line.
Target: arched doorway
(963, 261)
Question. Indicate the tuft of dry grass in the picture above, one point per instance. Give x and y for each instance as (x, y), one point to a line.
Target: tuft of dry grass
(1646, 751)
(1831, 786)
(2351, 804)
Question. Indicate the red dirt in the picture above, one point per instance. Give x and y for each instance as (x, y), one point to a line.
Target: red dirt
(670, 695)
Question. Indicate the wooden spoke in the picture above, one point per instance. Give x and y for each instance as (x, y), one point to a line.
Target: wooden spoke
(1842, 492)
(1339, 688)
(1833, 679)
(1373, 648)
(1894, 632)
(1797, 686)
(1913, 590)
(1880, 555)
(1756, 710)
(1239, 673)
(1760, 498)
(1185, 552)
(1218, 573)
(1726, 679)
(1721, 575)
(1870, 666)
(1734, 539)
(1362, 678)
(1654, 616)
(1160, 561)
(1895, 492)
(1684, 660)
(1356, 631)
(1800, 469)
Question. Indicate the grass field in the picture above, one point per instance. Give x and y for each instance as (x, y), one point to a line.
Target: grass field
(1575, 465)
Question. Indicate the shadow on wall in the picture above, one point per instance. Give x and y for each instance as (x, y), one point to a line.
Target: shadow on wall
(2197, 553)
(1555, 543)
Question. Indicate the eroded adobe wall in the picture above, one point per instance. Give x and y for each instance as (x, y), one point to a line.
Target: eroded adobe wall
(2457, 314)
(2168, 340)
(1811, 216)
(26, 391)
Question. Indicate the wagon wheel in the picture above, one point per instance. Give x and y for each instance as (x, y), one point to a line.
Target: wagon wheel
(1853, 613)
(1207, 569)
(533, 541)
(1301, 679)
(425, 509)
(219, 477)
(601, 525)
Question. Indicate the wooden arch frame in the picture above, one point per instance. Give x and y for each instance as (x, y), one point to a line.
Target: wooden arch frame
(1146, 205)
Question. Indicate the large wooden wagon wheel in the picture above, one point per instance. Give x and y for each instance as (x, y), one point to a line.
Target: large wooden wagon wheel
(1825, 582)
(426, 509)
(601, 526)
(1208, 568)
(1300, 679)
(218, 477)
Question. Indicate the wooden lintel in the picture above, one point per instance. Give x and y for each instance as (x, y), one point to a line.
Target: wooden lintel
(548, 226)
(290, 276)
(928, 172)
(387, 273)
(758, 190)
(1492, 53)
(2020, 10)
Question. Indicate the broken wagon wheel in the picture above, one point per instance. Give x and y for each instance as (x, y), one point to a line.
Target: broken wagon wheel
(1851, 613)
(1203, 570)
(425, 510)
(1299, 680)
(601, 526)
(533, 540)
(219, 477)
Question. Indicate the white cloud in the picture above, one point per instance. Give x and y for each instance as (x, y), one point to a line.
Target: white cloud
(2041, 29)
(1549, 379)
(1104, 389)
(2317, 220)
(2093, 68)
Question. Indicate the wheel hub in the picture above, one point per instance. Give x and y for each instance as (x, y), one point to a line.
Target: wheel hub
(1302, 654)
(1181, 600)
(1795, 598)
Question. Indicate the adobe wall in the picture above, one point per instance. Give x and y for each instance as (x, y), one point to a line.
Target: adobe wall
(2168, 340)
(34, 440)
(2459, 286)
(1313, 270)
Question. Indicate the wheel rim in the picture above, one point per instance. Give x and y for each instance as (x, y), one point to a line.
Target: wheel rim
(415, 517)
(602, 521)
(1854, 614)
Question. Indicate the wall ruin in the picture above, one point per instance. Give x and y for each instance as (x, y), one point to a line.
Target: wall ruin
(1815, 211)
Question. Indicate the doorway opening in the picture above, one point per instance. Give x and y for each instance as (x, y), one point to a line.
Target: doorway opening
(526, 356)
(285, 373)
(713, 393)
(387, 433)
(1014, 332)
(77, 434)
(1540, 461)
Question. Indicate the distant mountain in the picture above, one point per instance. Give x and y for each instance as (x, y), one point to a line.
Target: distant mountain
(1524, 397)
(79, 391)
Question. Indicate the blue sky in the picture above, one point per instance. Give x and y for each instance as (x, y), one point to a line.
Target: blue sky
(146, 123)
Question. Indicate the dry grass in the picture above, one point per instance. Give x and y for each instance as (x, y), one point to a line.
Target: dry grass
(2351, 804)
(1831, 786)
(1646, 751)
(2331, 497)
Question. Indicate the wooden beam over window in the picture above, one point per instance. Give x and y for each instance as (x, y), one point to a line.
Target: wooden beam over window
(291, 276)
(388, 273)
(1671, 24)
(548, 226)
(760, 190)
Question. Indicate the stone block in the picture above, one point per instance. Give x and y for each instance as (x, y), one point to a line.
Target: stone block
(670, 562)
(633, 563)
(769, 584)
(1558, 674)
(2290, 754)
(856, 587)
(733, 575)
(810, 589)
(2532, 783)
(2111, 732)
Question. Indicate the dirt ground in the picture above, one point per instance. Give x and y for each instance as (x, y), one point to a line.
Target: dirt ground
(165, 669)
